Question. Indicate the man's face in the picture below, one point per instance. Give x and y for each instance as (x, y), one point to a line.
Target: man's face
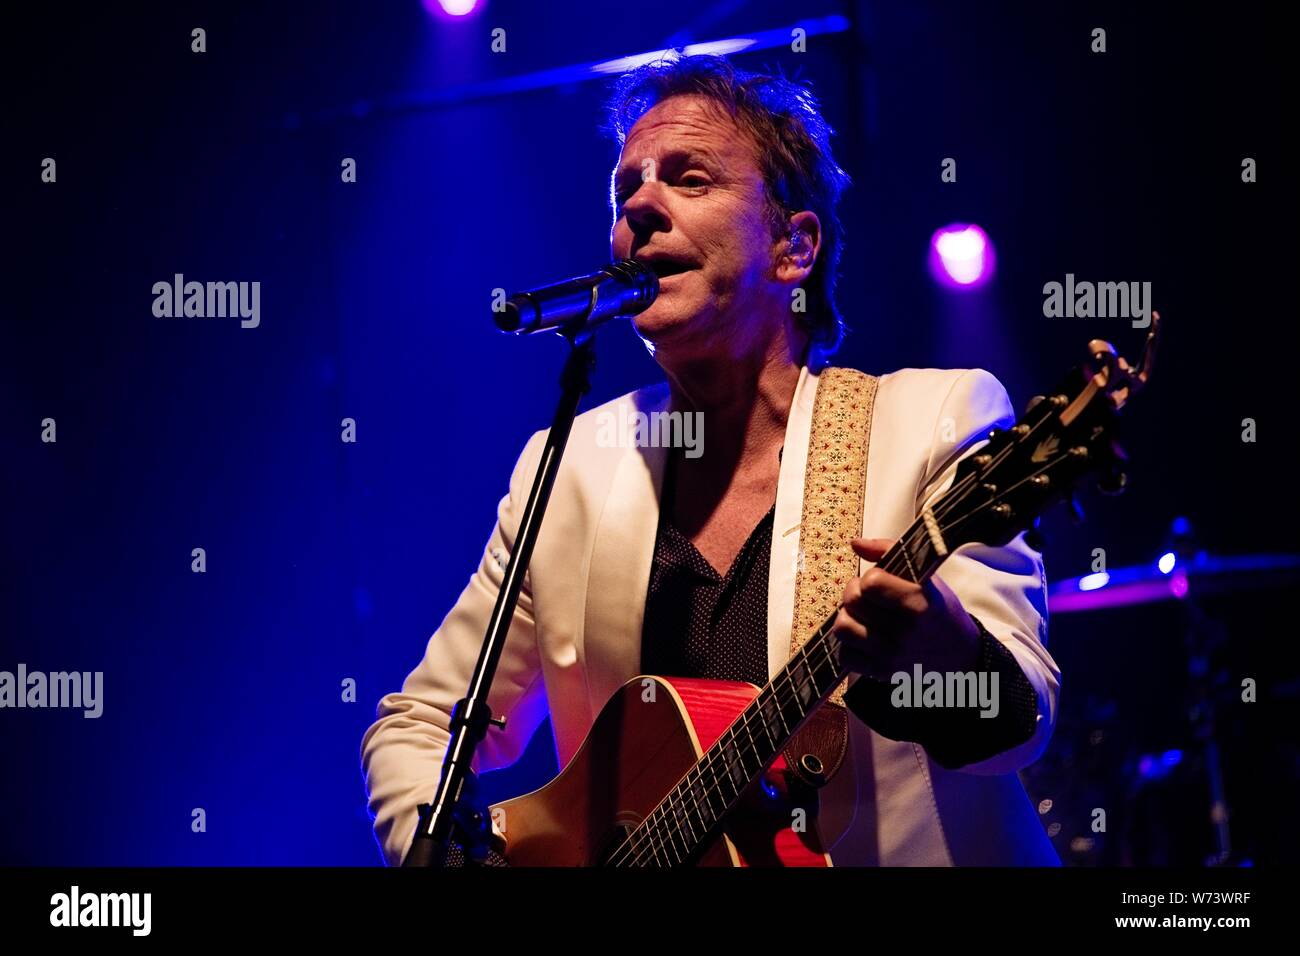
(689, 193)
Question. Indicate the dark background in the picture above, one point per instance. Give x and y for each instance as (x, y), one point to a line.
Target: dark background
(329, 561)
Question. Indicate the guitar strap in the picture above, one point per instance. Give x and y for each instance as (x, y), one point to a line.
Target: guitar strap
(834, 493)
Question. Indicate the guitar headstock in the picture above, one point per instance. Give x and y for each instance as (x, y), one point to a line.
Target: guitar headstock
(1063, 437)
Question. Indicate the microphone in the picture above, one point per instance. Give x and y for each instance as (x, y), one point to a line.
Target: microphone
(578, 305)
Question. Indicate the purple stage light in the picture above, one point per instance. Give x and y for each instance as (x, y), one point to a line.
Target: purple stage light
(451, 8)
(961, 256)
(1178, 585)
(1091, 582)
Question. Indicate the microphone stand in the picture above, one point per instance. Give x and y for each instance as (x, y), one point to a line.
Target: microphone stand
(452, 811)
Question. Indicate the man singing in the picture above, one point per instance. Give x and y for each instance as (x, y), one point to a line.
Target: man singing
(651, 561)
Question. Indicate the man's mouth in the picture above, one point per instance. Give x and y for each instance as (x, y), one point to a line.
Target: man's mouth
(663, 268)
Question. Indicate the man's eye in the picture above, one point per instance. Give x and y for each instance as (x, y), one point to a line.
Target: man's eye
(621, 197)
(694, 182)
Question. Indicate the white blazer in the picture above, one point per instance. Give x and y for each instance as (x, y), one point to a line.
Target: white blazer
(576, 636)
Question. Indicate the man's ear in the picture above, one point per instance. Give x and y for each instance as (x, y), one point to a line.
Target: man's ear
(800, 246)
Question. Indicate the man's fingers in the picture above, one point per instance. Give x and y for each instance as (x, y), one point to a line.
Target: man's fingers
(881, 587)
(878, 619)
(864, 650)
(873, 549)
(885, 590)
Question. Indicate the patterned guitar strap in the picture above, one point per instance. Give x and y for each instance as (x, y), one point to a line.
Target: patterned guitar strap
(834, 492)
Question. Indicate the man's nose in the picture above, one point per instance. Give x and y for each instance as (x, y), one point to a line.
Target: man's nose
(645, 210)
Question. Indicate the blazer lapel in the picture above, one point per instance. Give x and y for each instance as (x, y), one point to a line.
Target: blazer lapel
(785, 530)
(618, 580)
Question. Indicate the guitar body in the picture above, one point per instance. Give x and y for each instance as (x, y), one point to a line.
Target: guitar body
(636, 752)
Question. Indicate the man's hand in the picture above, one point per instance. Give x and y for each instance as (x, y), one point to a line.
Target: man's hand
(888, 624)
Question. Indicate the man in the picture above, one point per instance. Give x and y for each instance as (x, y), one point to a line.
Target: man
(652, 561)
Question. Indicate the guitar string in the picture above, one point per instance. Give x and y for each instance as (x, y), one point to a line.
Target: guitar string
(634, 844)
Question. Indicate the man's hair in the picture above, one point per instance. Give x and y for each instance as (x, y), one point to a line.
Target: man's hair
(791, 143)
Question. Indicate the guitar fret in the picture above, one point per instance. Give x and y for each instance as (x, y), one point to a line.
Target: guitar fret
(699, 796)
(752, 743)
(923, 555)
(684, 819)
(767, 729)
(675, 835)
(668, 835)
(638, 844)
(709, 792)
(780, 712)
(911, 571)
(668, 823)
(685, 829)
(765, 711)
(819, 683)
(653, 825)
(734, 766)
(801, 676)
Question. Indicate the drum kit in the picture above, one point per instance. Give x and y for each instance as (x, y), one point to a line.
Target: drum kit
(1168, 806)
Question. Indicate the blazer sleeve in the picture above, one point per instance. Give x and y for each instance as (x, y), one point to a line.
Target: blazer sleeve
(402, 751)
(1004, 589)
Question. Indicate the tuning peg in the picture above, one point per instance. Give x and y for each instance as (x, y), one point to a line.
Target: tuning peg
(1099, 350)
(1033, 402)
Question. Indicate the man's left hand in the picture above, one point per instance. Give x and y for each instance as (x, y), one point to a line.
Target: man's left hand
(888, 624)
